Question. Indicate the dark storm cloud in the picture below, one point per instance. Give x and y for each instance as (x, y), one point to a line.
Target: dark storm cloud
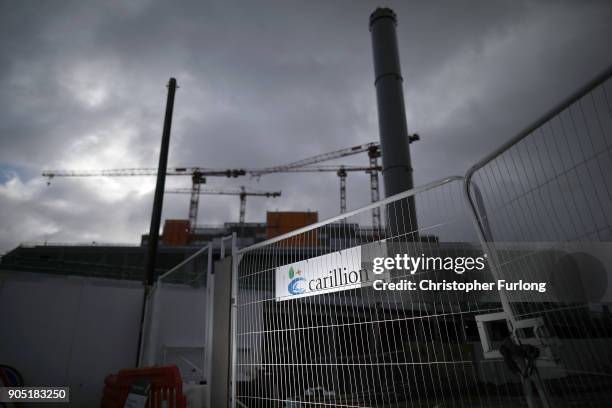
(261, 83)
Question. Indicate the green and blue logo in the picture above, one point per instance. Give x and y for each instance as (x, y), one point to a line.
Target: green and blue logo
(295, 286)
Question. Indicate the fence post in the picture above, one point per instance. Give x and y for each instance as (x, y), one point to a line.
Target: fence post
(219, 385)
(234, 298)
(208, 314)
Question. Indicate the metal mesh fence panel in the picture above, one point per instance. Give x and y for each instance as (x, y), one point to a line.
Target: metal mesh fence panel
(544, 207)
(309, 333)
(177, 318)
(191, 272)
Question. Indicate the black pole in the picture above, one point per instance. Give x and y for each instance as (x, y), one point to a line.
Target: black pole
(151, 257)
(149, 277)
(394, 139)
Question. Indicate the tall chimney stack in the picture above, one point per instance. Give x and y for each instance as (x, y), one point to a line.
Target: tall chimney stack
(394, 139)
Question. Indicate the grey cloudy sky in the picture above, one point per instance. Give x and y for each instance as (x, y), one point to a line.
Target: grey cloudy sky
(261, 83)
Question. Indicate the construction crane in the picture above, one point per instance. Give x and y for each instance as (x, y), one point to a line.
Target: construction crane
(373, 150)
(198, 177)
(340, 170)
(242, 192)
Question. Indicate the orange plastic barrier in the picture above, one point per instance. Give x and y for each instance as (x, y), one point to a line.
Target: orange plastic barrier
(166, 385)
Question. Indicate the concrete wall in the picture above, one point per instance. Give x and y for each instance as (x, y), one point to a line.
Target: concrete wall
(69, 331)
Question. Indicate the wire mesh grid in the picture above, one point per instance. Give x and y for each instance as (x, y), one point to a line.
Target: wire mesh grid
(359, 346)
(193, 271)
(177, 319)
(544, 203)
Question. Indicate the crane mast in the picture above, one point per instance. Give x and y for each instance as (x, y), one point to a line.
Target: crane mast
(197, 179)
(373, 155)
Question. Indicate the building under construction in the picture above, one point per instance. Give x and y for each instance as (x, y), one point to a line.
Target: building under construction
(177, 243)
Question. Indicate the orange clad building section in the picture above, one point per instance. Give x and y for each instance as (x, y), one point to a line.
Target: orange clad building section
(176, 232)
(282, 222)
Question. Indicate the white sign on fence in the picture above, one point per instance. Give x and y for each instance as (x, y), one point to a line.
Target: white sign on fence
(333, 272)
